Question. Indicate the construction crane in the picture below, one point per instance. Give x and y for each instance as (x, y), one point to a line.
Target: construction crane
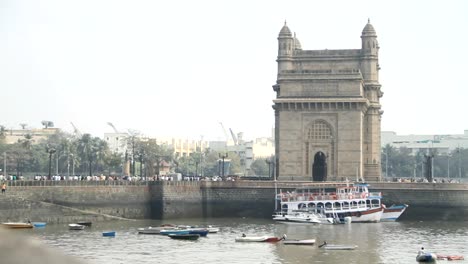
(234, 137)
(75, 130)
(113, 127)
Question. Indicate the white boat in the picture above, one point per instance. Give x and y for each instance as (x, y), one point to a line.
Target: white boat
(299, 241)
(346, 200)
(302, 218)
(339, 247)
(155, 230)
(75, 227)
(393, 212)
(212, 229)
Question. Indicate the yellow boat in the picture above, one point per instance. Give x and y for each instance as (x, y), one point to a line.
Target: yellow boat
(17, 225)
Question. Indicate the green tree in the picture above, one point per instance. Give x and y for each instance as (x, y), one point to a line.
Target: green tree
(259, 167)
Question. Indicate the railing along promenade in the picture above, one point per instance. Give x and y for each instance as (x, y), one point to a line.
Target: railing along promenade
(213, 184)
(242, 184)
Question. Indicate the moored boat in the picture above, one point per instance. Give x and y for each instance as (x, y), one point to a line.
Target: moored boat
(17, 225)
(185, 236)
(245, 238)
(426, 257)
(327, 246)
(299, 242)
(75, 227)
(39, 224)
(302, 218)
(347, 200)
(174, 232)
(393, 212)
(108, 234)
(339, 247)
(85, 223)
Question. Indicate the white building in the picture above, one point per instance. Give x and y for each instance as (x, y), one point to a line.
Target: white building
(443, 144)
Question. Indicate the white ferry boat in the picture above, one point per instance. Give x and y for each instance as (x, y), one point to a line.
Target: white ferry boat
(349, 200)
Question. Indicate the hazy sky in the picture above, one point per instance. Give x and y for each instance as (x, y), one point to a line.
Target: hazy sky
(178, 68)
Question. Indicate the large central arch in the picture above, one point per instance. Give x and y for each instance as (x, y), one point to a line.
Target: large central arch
(319, 167)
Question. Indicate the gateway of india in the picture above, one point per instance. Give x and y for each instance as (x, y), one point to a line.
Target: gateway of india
(327, 111)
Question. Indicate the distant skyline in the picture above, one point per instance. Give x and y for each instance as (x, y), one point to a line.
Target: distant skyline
(179, 68)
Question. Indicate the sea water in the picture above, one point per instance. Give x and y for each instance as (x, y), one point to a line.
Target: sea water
(386, 242)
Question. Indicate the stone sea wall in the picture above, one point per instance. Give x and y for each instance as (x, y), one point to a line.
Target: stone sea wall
(64, 201)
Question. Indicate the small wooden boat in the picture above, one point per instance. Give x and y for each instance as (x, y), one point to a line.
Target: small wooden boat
(185, 236)
(299, 242)
(108, 234)
(75, 227)
(17, 225)
(259, 239)
(39, 224)
(450, 257)
(85, 223)
(327, 246)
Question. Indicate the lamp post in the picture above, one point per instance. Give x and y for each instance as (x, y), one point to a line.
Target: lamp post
(4, 165)
(448, 165)
(268, 161)
(73, 163)
(386, 164)
(222, 157)
(51, 151)
(459, 163)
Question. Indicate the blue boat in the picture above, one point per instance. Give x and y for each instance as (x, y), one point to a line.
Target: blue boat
(200, 231)
(175, 232)
(39, 224)
(109, 234)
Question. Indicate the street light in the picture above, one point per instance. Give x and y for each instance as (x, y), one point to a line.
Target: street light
(448, 165)
(223, 157)
(268, 161)
(51, 151)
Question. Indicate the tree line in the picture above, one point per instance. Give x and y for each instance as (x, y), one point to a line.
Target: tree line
(71, 154)
(401, 162)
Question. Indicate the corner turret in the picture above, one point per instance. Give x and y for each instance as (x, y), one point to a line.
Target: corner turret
(286, 45)
(369, 39)
(370, 54)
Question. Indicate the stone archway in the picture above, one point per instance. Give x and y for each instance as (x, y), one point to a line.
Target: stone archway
(319, 167)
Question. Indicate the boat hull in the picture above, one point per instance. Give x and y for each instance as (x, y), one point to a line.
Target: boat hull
(109, 234)
(338, 247)
(258, 239)
(76, 227)
(185, 236)
(393, 212)
(426, 257)
(299, 242)
(13, 225)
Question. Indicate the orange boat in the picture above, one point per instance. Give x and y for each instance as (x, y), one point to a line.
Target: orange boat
(17, 225)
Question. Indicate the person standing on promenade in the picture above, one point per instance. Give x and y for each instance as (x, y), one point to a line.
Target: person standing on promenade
(3, 188)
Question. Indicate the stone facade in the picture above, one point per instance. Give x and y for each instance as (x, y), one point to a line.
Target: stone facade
(327, 111)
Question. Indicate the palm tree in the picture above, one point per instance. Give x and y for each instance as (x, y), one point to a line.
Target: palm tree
(85, 149)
